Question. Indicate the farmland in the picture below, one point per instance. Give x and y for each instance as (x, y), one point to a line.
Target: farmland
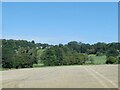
(74, 65)
(59, 45)
(77, 76)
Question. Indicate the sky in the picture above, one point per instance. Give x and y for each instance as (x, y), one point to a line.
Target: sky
(55, 23)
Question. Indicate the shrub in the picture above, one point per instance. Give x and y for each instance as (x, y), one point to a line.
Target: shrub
(111, 60)
(99, 54)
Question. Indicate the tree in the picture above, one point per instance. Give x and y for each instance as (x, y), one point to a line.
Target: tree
(23, 53)
(91, 60)
(112, 52)
(100, 47)
(111, 60)
(73, 45)
(18, 54)
(61, 55)
(48, 57)
(33, 41)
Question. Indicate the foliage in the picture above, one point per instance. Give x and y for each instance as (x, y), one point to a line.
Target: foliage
(96, 60)
(62, 56)
(18, 54)
(25, 54)
(112, 56)
(112, 52)
(111, 60)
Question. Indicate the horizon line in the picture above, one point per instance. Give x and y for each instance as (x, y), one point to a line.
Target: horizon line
(62, 43)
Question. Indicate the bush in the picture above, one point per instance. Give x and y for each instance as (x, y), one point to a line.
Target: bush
(99, 54)
(111, 60)
(91, 60)
(112, 52)
(118, 60)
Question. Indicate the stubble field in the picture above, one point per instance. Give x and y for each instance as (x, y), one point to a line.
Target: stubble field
(91, 76)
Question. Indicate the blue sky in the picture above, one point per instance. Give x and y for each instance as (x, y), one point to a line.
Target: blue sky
(56, 23)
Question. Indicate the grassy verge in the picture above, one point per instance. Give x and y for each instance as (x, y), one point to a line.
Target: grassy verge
(1, 69)
(4, 69)
(38, 65)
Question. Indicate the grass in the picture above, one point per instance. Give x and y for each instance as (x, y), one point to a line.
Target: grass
(38, 65)
(4, 69)
(1, 69)
(98, 59)
(40, 51)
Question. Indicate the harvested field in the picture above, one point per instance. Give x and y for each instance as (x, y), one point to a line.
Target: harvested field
(91, 76)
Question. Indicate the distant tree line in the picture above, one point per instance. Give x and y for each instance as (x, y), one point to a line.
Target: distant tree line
(19, 53)
(23, 54)
(77, 53)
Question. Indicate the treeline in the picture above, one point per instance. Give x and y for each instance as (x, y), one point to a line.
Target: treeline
(62, 55)
(77, 53)
(23, 54)
(20, 53)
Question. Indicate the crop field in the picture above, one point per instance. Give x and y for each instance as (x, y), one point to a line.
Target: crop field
(76, 76)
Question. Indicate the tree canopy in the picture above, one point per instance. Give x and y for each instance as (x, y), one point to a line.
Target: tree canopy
(23, 54)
